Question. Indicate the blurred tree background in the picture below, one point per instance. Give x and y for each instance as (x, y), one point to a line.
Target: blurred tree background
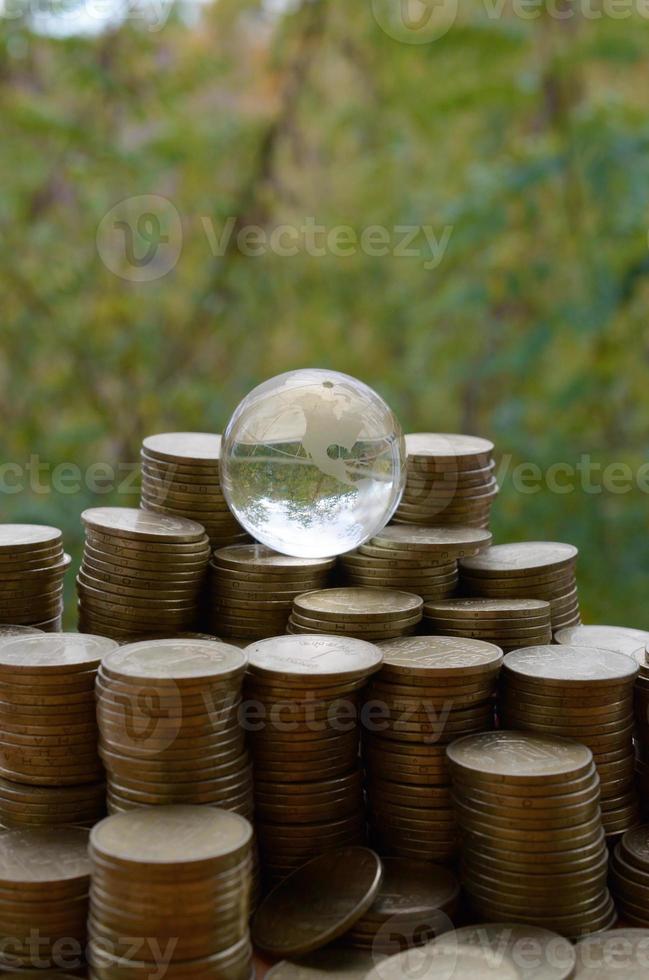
(526, 138)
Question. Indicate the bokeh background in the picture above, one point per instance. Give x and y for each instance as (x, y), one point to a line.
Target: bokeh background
(141, 143)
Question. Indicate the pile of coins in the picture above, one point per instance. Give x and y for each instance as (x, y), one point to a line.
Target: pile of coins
(44, 882)
(180, 476)
(141, 573)
(368, 614)
(416, 902)
(305, 740)
(170, 732)
(630, 876)
(534, 849)
(32, 568)
(509, 623)
(585, 694)
(251, 589)
(527, 570)
(633, 643)
(450, 480)
(163, 872)
(430, 691)
(47, 715)
(414, 559)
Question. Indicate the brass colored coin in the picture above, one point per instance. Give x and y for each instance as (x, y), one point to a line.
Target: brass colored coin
(312, 659)
(195, 448)
(43, 860)
(16, 538)
(451, 542)
(357, 628)
(180, 661)
(55, 653)
(346, 881)
(496, 757)
(556, 666)
(258, 556)
(131, 523)
(620, 639)
(357, 605)
(436, 447)
(325, 964)
(521, 558)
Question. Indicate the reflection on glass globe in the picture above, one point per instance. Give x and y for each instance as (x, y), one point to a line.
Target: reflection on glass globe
(313, 463)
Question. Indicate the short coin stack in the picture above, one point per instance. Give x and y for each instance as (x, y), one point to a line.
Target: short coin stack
(141, 573)
(533, 845)
(430, 691)
(305, 737)
(44, 881)
(163, 872)
(170, 732)
(47, 711)
(630, 876)
(251, 589)
(450, 480)
(527, 570)
(368, 614)
(180, 476)
(585, 694)
(509, 623)
(32, 567)
(416, 902)
(22, 805)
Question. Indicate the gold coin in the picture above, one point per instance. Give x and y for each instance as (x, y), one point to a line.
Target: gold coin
(449, 541)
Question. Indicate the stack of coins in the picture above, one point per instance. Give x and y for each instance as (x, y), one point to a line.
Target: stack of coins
(22, 805)
(141, 573)
(534, 849)
(32, 568)
(305, 738)
(251, 589)
(430, 691)
(179, 879)
(47, 709)
(539, 954)
(416, 903)
(450, 480)
(180, 476)
(368, 614)
(585, 694)
(509, 623)
(527, 570)
(630, 876)
(170, 732)
(422, 576)
(44, 881)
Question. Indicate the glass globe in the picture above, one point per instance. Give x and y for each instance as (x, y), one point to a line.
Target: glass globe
(313, 463)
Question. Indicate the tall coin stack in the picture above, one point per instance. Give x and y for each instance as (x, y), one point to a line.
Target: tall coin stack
(587, 695)
(32, 568)
(163, 872)
(180, 476)
(430, 691)
(251, 589)
(509, 623)
(416, 902)
(630, 877)
(633, 643)
(527, 570)
(44, 881)
(170, 732)
(533, 844)
(305, 740)
(451, 480)
(368, 614)
(49, 762)
(141, 573)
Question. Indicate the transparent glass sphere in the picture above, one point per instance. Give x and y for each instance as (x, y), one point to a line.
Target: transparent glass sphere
(313, 463)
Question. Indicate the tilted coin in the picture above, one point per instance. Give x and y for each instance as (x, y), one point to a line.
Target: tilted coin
(346, 883)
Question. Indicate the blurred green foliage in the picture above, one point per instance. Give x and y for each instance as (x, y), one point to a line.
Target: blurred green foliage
(528, 139)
